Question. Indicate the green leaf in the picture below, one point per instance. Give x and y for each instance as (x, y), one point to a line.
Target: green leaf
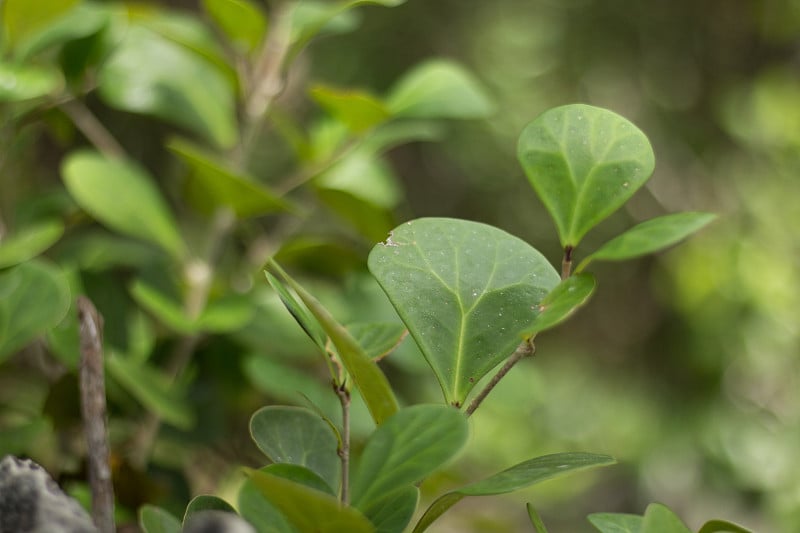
(650, 236)
(300, 313)
(205, 502)
(562, 302)
(153, 75)
(152, 389)
(211, 185)
(467, 292)
(311, 18)
(82, 20)
(536, 520)
(584, 162)
(25, 82)
(168, 311)
(297, 436)
(23, 17)
(517, 477)
(377, 338)
(308, 509)
(256, 509)
(366, 375)
(439, 89)
(659, 518)
(393, 513)
(359, 110)
(34, 297)
(364, 175)
(616, 522)
(406, 448)
(240, 20)
(29, 242)
(714, 526)
(123, 197)
(154, 519)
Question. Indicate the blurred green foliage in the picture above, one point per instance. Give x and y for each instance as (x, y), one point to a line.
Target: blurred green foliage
(685, 367)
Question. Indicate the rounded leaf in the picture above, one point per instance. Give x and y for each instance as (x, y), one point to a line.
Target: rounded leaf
(584, 162)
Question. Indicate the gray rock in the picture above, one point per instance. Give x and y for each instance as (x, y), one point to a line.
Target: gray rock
(31, 502)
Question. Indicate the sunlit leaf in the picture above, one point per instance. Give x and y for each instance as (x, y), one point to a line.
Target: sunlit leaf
(406, 448)
(153, 75)
(366, 375)
(358, 109)
(439, 89)
(650, 236)
(722, 526)
(34, 297)
(562, 302)
(82, 20)
(616, 522)
(659, 518)
(25, 82)
(297, 436)
(308, 509)
(122, 196)
(154, 519)
(241, 21)
(467, 292)
(23, 17)
(584, 162)
(29, 242)
(517, 477)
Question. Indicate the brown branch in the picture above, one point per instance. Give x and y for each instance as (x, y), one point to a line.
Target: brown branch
(93, 129)
(344, 450)
(93, 410)
(525, 348)
(566, 263)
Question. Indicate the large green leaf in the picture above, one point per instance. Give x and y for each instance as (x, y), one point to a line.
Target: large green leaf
(297, 436)
(83, 20)
(34, 297)
(406, 448)
(29, 242)
(517, 477)
(584, 162)
(616, 522)
(722, 526)
(439, 89)
(659, 518)
(562, 302)
(366, 375)
(256, 509)
(393, 513)
(466, 291)
(309, 510)
(154, 519)
(152, 74)
(23, 17)
(24, 82)
(241, 21)
(359, 110)
(122, 196)
(211, 185)
(650, 236)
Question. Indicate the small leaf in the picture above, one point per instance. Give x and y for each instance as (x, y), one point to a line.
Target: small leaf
(168, 311)
(81, 21)
(393, 513)
(378, 338)
(300, 313)
(406, 448)
(715, 526)
(659, 518)
(29, 242)
(151, 74)
(536, 520)
(23, 17)
(366, 375)
(308, 509)
(34, 297)
(211, 185)
(517, 477)
(616, 522)
(25, 82)
(467, 292)
(359, 110)
(241, 21)
(562, 302)
(439, 89)
(123, 197)
(154, 519)
(650, 236)
(152, 389)
(205, 502)
(297, 436)
(584, 162)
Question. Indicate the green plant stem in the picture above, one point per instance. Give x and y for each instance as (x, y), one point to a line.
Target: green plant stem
(566, 263)
(344, 450)
(303, 175)
(93, 129)
(525, 348)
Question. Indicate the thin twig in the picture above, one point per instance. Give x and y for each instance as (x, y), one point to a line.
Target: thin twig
(566, 263)
(344, 450)
(93, 129)
(93, 410)
(525, 348)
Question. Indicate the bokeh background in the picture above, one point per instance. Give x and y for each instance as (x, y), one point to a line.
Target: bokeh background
(685, 366)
